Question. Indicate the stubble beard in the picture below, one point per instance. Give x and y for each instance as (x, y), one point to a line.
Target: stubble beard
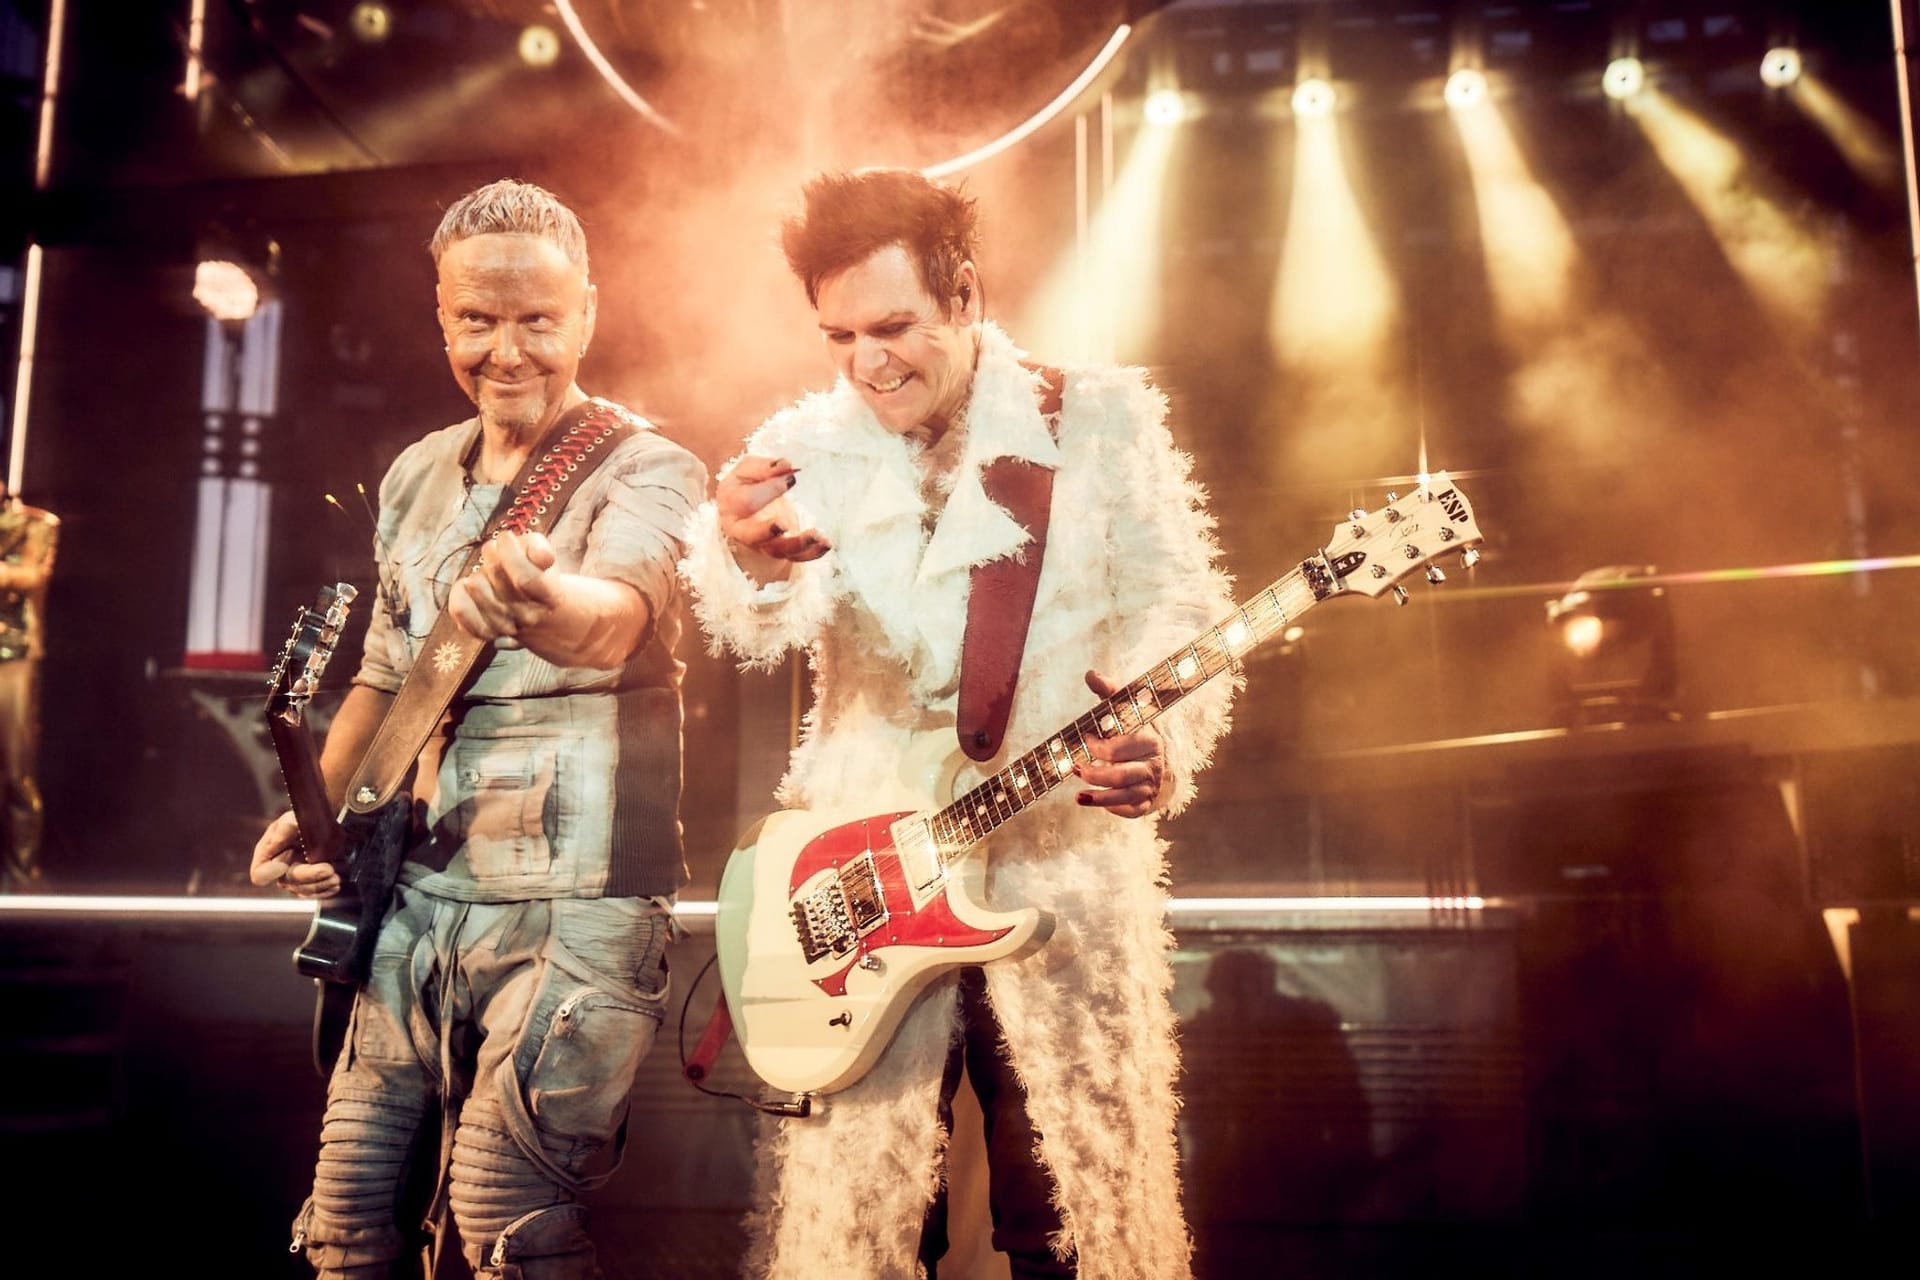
(517, 420)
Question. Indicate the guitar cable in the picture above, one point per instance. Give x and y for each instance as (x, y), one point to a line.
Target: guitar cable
(797, 1108)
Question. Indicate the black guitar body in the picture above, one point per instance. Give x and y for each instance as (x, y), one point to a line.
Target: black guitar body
(338, 949)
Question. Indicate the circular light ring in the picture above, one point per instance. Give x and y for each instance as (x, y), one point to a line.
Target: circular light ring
(615, 81)
(1060, 103)
(571, 19)
(1624, 77)
(1780, 68)
(1314, 98)
(1466, 87)
(1164, 107)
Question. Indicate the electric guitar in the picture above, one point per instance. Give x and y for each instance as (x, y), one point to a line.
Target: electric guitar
(829, 924)
(339, 943)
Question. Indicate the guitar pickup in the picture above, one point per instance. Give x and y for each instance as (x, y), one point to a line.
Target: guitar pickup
(866, 900)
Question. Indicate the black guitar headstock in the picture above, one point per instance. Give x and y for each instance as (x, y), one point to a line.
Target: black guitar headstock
(310, 646)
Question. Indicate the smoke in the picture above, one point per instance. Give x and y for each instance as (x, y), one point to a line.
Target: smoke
(715, 332)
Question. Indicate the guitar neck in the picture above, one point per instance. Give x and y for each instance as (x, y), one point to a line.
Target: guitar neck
(1026, 780)
(306, 788)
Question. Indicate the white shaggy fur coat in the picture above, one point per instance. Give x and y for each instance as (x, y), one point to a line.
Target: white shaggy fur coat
(1130, 574)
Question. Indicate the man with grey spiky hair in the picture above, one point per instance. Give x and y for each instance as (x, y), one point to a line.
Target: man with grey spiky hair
(518, 975)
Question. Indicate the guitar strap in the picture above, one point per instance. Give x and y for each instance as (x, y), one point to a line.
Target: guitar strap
(999, 607)
(571, 449)
(1000, 601)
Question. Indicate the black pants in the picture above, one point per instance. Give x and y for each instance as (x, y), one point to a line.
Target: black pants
(1019, 1190)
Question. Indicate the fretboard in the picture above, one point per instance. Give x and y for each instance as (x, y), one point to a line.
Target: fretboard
(1024, 781)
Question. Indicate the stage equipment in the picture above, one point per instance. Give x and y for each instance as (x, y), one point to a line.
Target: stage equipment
(539, 46)
(1780, 68)
(1906, 30)
(1624, 78)
(370, 21)
(1613, 662)
(1466, 87)
(1313, 98)
(225, 289)
(1165, 107)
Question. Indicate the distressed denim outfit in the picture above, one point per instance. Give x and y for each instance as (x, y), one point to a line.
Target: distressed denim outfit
(520, 973)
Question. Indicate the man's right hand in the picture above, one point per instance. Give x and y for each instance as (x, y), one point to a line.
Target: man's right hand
(276, 860)
(756, 514)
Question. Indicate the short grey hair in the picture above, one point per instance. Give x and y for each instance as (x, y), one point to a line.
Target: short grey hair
(511, 207)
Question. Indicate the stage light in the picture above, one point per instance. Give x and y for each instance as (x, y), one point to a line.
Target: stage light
(1165, 107)
(1313, 98)
(1466, 87)
(1614, 657)
(225, 289)
(1624, 78)
(370, 21)
(539, 46)
(1780, 68)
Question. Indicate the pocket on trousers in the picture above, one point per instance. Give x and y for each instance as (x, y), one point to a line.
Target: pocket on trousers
(588, 1049)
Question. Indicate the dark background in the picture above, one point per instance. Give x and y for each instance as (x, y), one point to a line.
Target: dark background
(1648, 1050)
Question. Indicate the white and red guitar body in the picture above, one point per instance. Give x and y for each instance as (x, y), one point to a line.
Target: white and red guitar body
(828, 926)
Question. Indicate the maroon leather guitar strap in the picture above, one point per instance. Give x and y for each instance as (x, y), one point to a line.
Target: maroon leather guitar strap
(1000, 601)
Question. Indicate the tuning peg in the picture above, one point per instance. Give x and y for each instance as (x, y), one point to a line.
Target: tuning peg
(1358, 513)
(1399, 595)
(1392, 496)
(1434, 575)
(1470, 557)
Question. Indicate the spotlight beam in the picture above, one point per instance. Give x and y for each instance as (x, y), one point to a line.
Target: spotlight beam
(1529, 249)
(1780, 260)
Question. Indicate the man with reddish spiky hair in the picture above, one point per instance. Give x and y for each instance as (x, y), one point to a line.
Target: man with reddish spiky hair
(849, 526)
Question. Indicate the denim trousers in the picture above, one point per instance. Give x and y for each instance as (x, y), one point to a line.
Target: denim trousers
(485, 1077)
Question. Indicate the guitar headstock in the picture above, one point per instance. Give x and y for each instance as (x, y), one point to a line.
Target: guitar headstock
(316, 631)
(1371, 551)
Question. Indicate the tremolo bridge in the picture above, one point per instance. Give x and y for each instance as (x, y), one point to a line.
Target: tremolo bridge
(833, 918)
